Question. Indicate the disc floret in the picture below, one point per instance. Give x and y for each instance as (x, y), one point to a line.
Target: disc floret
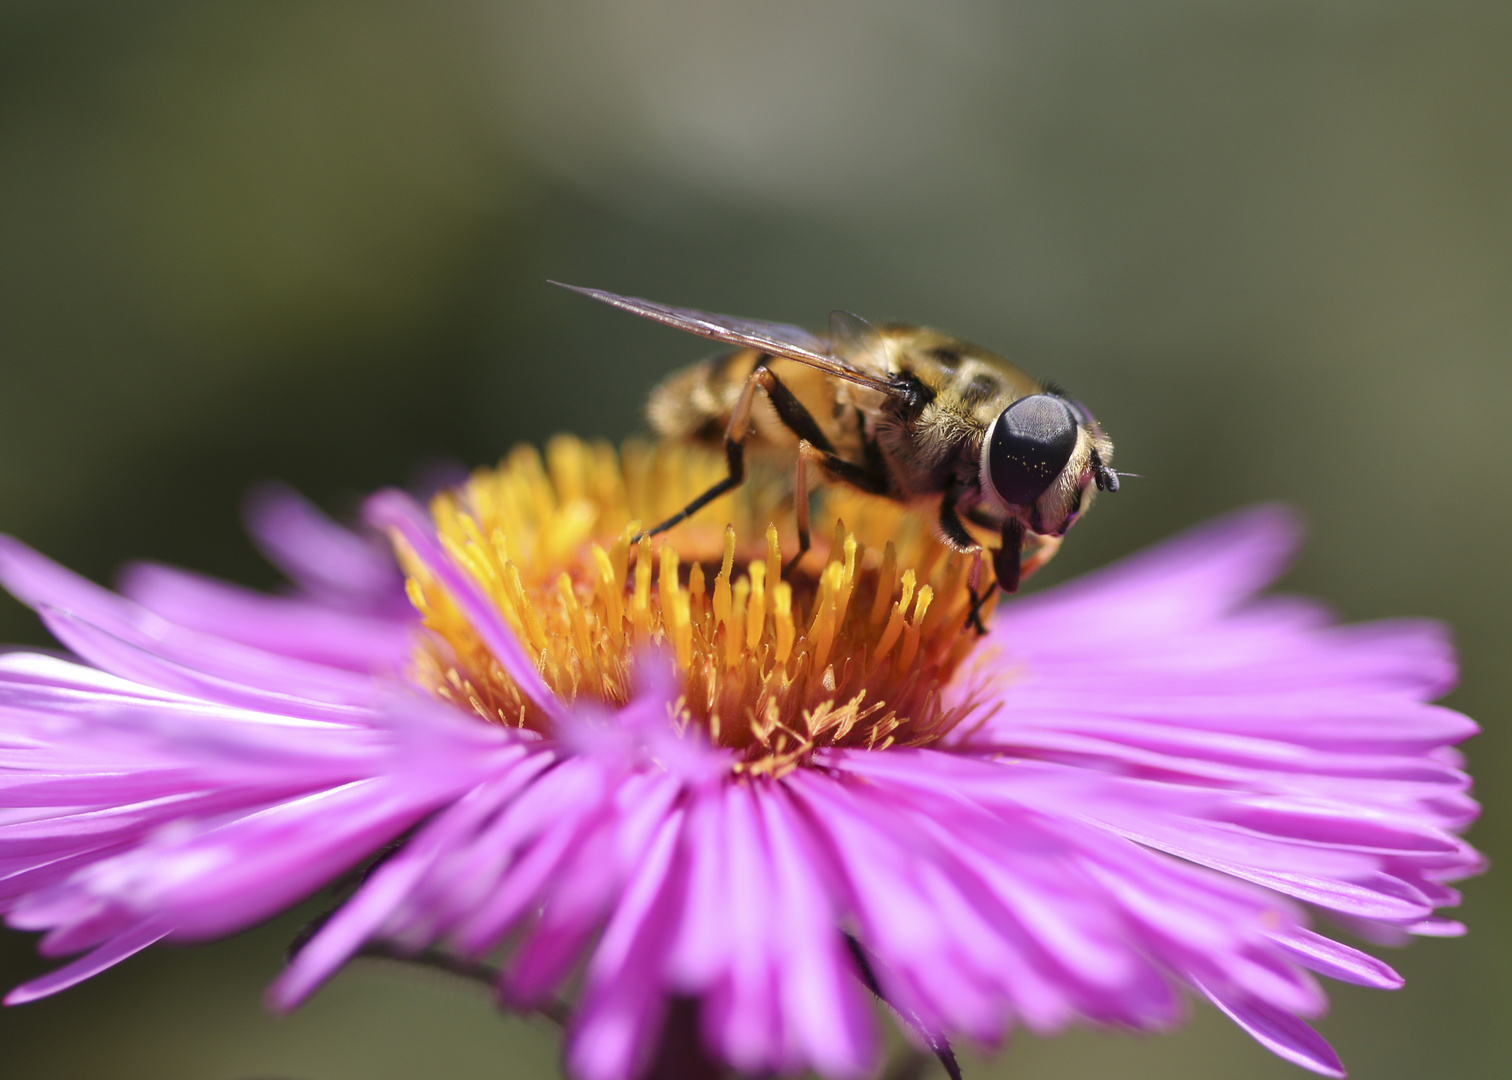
(849, 646)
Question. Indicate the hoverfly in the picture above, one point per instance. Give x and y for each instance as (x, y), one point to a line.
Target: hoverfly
(903, 412)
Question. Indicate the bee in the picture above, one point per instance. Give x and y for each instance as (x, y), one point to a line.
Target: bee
(903, 412)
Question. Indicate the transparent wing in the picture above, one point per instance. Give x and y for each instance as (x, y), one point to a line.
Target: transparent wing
(778, 339)
(848, 328)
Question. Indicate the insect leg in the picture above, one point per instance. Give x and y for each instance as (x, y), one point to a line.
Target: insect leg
(1011, 567)
(950, 524)
(848, 472)
(794, 416)
(834, 466)
(736, 433)
(1005, 560)
(978, 602)
(957, 537)
(797, 419)
(800, 422)
(814, 448)
(807, 453)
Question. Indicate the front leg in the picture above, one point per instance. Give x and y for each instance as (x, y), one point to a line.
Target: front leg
(1009, 564)
(951, 526)
(955, 534)
(1006, 565)
(1005, 560)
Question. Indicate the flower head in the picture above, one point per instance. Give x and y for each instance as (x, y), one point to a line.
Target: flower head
(677, 771)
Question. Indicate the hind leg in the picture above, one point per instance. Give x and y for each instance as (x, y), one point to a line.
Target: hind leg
(736, 432)
(814, 447)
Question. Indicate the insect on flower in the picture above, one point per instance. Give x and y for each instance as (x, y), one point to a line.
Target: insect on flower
(904, 412)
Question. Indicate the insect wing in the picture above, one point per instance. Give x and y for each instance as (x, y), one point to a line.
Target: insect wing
(778, 339)
(849, 329)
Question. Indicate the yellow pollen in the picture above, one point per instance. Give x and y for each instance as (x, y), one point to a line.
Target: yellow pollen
(848, 648)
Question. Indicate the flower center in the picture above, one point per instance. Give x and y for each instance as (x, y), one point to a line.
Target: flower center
(849, 647)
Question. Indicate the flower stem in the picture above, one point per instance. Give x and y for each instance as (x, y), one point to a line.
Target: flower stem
(938, 1044)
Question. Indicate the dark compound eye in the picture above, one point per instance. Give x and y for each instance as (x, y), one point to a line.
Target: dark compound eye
(1031, 443)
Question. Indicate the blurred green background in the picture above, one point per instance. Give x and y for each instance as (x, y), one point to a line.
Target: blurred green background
(1268, 241)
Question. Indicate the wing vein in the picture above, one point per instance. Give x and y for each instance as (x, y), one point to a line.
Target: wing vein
(778, 339)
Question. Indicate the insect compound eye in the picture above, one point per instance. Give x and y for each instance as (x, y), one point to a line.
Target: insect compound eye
(1031, 443)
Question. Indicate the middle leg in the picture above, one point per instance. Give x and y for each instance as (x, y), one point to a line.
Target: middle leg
(1006, 566)
(834, 467)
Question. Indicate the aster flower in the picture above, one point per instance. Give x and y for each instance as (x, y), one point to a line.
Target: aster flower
(670, 779)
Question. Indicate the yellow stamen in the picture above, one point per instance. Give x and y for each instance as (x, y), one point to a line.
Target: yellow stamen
(773, 558)
(756, 616)
(782, 615)
(735, 629)
(611, 593)
(911, 631)
(696, 592)
(852, 653)
(722, 582)
(640, 601)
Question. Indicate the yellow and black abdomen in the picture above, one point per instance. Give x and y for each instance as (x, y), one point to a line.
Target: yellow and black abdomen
(695, 404)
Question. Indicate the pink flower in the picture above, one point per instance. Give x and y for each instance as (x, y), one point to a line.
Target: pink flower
(1145, 781)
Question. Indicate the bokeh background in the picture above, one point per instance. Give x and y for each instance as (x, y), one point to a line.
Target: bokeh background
(1269, 241)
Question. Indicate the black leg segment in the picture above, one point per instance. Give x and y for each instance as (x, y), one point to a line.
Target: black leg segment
(793, 415)
(1005, 561)
(950, 523)
(801, 423)
(735, 458)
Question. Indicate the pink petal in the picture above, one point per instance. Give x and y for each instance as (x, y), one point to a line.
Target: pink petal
(1278, 1031)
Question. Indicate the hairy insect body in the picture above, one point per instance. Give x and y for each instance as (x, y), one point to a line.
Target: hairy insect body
(919, 453)
(899, 411)
(695, 404)
(962, 389)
